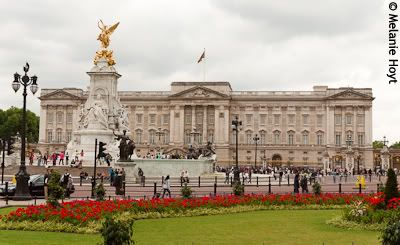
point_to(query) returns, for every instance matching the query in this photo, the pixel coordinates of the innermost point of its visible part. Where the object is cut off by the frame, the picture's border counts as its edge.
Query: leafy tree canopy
(396, 145)
(11, 123)
(377, 144)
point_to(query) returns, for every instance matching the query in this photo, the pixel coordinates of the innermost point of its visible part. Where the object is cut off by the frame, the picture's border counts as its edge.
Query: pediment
(199, 92)
(350, 94)
(59, 95)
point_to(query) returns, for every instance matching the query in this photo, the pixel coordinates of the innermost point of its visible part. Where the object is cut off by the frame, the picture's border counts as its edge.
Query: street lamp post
(256, 139)
(22, 177)
(236, 124)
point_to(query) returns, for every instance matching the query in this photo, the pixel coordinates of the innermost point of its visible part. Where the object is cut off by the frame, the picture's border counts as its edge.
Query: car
(36, 186)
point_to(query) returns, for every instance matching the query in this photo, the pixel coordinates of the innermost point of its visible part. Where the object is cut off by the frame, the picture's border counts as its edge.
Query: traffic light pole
(94, 170)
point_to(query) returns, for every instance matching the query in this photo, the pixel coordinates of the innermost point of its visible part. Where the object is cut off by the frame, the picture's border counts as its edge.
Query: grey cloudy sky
(255, 45)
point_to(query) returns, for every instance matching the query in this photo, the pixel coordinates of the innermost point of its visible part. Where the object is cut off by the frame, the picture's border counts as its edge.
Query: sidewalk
(12, 203)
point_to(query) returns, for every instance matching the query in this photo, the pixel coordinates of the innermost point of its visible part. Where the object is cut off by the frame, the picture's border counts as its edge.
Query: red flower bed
(394, 203)
(80, 212)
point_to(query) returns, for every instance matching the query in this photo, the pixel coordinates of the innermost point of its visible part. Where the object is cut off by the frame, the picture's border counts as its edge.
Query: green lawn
(261, 227)
(7, 210)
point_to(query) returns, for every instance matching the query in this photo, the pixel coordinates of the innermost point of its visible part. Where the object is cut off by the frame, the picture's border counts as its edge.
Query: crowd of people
(56, 158)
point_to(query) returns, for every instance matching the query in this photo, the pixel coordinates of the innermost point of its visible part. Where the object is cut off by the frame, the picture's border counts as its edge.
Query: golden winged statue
(104, 38)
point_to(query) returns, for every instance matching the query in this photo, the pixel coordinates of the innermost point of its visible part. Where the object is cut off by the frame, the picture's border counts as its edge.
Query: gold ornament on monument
(104, 38)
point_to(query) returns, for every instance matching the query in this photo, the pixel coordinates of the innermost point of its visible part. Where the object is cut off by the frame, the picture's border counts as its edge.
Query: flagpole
(204, 66)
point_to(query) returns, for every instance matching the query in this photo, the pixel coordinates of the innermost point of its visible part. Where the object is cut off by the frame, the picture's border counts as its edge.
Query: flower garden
(83, 216)
(374, 212)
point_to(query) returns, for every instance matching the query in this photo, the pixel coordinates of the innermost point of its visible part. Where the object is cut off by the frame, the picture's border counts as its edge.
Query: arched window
(305, 138)
(59, 135)
(291, 138)
(320, 138)
(165, 137)
(277, 137)
(152, 136)
(262, 137)
(138, 134)
(187, 137)
(249, 137)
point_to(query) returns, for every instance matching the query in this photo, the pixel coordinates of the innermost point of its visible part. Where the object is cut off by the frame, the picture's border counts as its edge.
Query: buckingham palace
(293, 128)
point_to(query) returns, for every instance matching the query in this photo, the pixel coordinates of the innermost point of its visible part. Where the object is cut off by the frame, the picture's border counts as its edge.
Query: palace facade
(295, 128)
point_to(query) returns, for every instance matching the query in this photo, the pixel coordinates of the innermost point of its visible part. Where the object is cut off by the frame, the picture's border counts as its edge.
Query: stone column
(172, 135)
(64, 129)
(368, 126)
(43, 124)
(205, 136)
(343, 126)
(216, 123)
(227, 125)
(193, 116)
(181, 125)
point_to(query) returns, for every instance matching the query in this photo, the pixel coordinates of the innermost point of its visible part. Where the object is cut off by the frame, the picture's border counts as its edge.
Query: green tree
(10, 124)
(377, 144)
(396, 145)
(391, 190)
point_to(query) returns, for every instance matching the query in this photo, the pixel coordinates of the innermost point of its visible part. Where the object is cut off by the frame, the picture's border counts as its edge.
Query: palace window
(262, 137)
(59, 135)
(139, 118)
(338, 139)
(69, 135)
(249, 118)
(187, 137)
(152, 119)
(291, 119)
(138, 133)
(60, 117)
(291, 138)
(165, 137)
(360, 138)
(211, 118)
(69, 118)
(360, 119)
(188, 119)
(152, 136)
(319, 120)
(349, 119)
(249, 138)
(165, 119)
(320, 139)
(49, 136)
(277, 138)
(338, 119)
(305, 120)
(305, 138)
(263, 119)
(277, 119)
(50, 117)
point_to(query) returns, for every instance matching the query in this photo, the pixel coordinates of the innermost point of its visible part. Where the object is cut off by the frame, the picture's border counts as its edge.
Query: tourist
(66, 183)
(186, 177)
(303, 184)
(141, 176)
(54, 158)
(45, 157)
(226, 177)
(39, 159)
(61, 158)
(46, 184)
(182, 178)
(296, 183)
(111, 173)
(66, 158)
(166, 187)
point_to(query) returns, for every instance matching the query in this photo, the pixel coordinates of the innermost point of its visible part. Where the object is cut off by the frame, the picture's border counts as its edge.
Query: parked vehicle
(36, 186)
